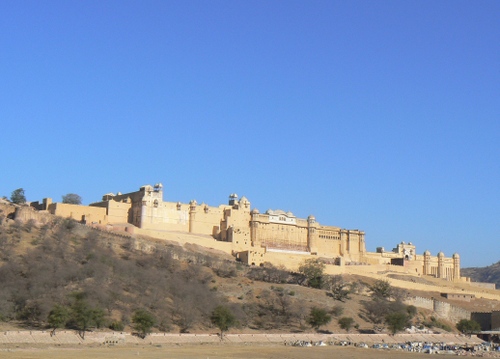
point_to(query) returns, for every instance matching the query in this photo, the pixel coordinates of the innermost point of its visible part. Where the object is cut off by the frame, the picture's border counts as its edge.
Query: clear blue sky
(374, 115)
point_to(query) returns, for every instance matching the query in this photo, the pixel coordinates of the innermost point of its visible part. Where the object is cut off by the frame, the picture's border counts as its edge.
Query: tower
(441, 272)
(427, 263)
(456, 266)
(312, 234)
(254, 224)
(192, 214)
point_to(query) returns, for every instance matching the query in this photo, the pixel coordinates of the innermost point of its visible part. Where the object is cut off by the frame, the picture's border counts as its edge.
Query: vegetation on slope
(65, 275)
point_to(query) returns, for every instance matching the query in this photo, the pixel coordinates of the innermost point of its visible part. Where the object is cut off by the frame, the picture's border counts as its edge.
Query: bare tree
(338, 289)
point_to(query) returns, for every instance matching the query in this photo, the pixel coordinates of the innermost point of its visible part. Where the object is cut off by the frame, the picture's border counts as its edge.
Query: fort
(253, 237)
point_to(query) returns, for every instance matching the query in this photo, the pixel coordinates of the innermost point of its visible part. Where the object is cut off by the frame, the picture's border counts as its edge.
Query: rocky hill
(489, 274)
(102, 279)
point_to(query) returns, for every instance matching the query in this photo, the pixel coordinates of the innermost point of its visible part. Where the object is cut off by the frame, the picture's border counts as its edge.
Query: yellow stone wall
(78, 212)
(275, 236)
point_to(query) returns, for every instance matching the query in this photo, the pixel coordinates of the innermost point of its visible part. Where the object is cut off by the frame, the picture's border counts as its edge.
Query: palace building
(251, 236)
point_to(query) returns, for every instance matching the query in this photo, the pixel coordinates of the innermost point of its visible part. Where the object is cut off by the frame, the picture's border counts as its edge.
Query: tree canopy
(381, 289)
(313, 270)
(318, 317)
(346, 323)
(223, 318)
(468, 326)
(143, 322)
(58, 317)
(17, 196)
(83, 315)
(72, 198)
(396, 321)
(338, 289)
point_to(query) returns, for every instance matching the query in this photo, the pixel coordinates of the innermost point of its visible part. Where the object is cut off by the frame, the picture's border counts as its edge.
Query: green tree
(83, 315)
(223, 318)
(17, 196)
(468, 326)
(318, 317)
(381, 289)
(99, 317)
(313, 270)
(396, 321)
(72, 198)
(58, 317)
(346, 323)
(143, 321)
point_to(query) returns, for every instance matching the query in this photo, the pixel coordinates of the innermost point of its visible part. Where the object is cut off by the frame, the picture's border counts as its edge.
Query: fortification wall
(282, 236)
(24, 214)
(167, 216)
(328, 247)
(118, 212)
(78, 212)
(483, 285)
(421, 302)
(206, 220)
(237, 217)
(449, 311)
(442, 309)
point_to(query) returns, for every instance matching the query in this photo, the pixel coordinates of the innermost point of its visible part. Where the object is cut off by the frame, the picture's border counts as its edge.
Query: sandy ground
(209, 351)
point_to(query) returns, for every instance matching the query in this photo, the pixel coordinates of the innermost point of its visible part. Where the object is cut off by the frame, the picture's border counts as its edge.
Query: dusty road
(208, 351)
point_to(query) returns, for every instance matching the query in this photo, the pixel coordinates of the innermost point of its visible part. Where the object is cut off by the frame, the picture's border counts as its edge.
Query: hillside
(63, 264)
(489, 274)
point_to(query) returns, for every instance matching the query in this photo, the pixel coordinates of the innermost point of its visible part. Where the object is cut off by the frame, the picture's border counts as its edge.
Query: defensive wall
(293, 259)
(483, 285)
(442, 309)
(289, 258)
(253, 237)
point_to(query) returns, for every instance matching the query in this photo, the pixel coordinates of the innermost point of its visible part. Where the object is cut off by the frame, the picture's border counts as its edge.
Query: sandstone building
(253, 237)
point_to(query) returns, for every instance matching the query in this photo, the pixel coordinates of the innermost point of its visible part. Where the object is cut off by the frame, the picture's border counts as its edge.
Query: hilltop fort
(253, 237)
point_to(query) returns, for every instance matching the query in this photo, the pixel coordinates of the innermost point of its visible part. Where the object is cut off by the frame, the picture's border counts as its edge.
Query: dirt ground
(209, 351)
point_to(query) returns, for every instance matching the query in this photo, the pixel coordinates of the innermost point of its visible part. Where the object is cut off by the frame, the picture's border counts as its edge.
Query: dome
(441, 254)
(427, 253)
(244, 199)
(456, 256)
(255, 211)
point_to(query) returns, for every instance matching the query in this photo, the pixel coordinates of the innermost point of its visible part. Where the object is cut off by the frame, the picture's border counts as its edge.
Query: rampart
(483, 285)
(254, 238)
(442, 309)
(25, 214)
